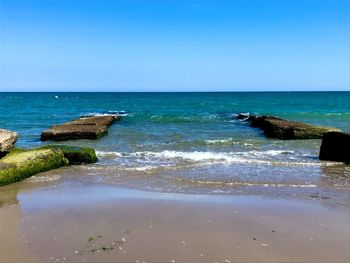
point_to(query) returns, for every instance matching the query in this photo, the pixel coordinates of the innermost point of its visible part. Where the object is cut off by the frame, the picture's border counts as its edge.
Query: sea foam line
(108, 113)
(227, 141)
(250, 157)
(195, 181)
(103, 153)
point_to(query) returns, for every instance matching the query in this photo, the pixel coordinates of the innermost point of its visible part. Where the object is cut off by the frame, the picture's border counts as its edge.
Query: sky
(183, 45)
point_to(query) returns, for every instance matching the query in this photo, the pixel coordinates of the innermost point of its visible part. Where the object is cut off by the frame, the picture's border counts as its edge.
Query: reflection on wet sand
(337, 176)
(8, 195)
(79, 221)
(71, 215)
(12, 248)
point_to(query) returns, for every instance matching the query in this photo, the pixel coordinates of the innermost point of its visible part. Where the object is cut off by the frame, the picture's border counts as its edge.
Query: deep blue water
(189, 138)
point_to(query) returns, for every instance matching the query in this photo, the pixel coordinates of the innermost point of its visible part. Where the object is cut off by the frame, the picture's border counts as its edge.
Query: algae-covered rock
(75, 155)
(7, 140)
(18, 165)
(274, 127)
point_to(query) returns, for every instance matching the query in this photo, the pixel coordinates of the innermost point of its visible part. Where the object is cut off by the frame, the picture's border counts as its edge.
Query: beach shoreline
(91, 222)
(179, 182)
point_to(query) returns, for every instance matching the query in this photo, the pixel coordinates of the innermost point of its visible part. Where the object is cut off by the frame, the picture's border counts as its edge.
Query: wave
(239, 183)
(102, 154)
(229, 141)
(218, 141)
(200, 156)
(175, 158)
(198, 181)
(44, 178)
(209, 143)
(141, 168)
(107, 113)
(233, 115)
(249, 157)
(337, 114)
(158, 118)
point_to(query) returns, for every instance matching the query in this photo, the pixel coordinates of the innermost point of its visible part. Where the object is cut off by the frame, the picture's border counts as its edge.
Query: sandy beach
(76, 221)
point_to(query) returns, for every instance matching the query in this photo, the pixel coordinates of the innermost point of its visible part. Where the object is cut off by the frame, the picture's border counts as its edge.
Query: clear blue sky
(164, 45)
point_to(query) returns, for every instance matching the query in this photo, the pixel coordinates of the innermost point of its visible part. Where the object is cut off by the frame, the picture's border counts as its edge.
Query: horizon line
(248, 91)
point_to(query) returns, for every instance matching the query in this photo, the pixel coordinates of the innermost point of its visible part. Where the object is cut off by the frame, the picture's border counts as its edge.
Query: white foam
(142, 168)
(223, 141)
(194, 156)
(280, 185)
(108, 113)
(102, 153)
(44, 178)
(267, 152)
(252, 184)
(199, 156)
(269, 157)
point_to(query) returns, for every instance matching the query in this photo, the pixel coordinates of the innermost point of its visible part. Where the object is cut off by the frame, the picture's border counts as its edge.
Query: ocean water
(179, 142)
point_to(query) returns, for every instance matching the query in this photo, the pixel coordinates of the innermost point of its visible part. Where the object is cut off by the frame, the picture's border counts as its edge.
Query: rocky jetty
(20, 163)
(274, 127)
(87, 127)
(7, 140)
(335, 147)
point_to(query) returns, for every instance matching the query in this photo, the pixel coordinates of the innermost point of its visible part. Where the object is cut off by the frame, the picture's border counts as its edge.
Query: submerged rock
(90, 127)
(7, 140)
(20, 164)
(335, 147)
(274, 127)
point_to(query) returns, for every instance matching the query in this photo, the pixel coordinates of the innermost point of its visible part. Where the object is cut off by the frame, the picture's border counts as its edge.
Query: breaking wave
(174, 158)
(107, 113)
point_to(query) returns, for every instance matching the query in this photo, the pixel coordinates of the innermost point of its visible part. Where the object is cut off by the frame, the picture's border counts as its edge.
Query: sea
(190, 142)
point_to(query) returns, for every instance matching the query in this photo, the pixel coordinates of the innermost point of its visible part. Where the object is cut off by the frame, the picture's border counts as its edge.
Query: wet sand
(83, 222)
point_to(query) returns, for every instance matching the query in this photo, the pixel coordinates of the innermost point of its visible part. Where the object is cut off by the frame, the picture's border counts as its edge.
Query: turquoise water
(181, 141)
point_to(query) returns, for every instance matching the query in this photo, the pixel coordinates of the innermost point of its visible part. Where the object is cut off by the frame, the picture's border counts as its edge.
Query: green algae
(19, 164)
(75, 155)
